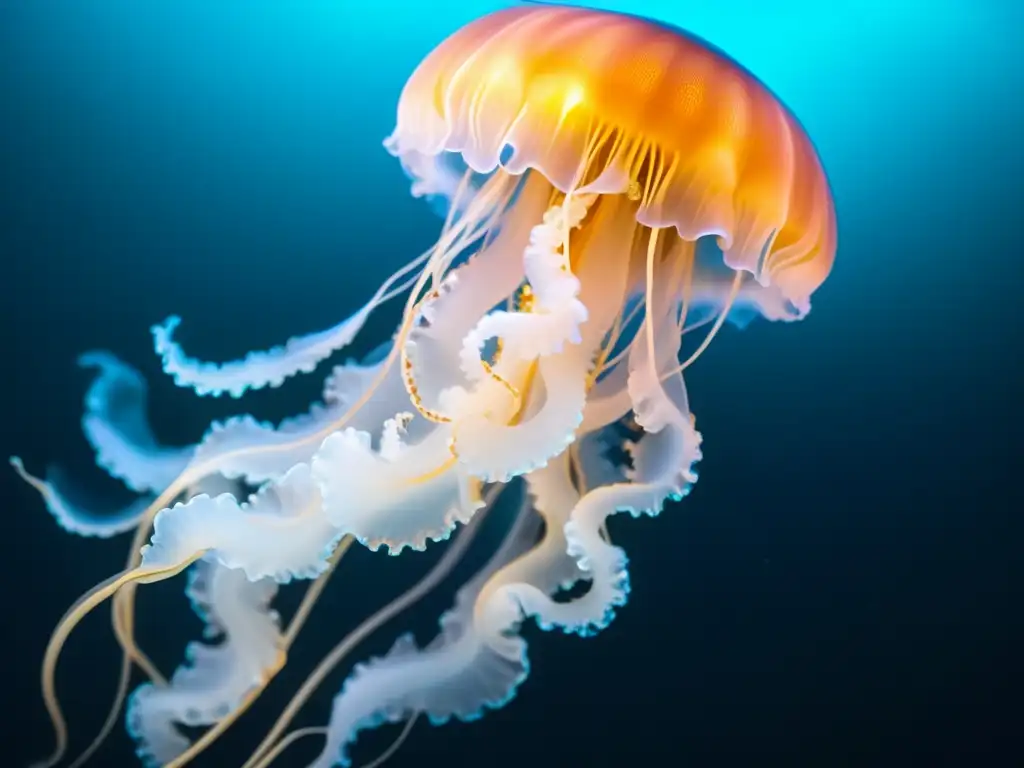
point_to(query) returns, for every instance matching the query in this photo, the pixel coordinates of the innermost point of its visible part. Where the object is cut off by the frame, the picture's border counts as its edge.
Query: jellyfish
(614, 191)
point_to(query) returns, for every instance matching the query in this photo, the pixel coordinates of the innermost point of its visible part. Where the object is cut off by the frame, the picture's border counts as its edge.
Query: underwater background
(843, 586)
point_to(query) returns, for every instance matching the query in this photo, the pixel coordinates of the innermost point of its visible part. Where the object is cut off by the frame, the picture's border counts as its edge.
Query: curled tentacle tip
(98, 358)
(169, 324)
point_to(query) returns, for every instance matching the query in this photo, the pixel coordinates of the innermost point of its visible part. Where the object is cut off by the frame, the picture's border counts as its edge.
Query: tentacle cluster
(520, 363)
(594, 216)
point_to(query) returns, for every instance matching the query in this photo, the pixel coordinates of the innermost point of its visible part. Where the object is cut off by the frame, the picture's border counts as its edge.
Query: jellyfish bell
(606, 103)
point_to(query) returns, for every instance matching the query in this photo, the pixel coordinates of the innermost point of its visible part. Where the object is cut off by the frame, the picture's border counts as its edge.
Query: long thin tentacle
(74, 615)
(437, 574)
(298, 620)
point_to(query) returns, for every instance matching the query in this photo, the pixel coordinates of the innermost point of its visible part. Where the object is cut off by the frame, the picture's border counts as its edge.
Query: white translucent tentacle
(258, 451)
(77, 517)
(397, 496)
(664, 462)
(116, 424)
(215, 678)
(279, 533)
(458, 675)
(270, 368)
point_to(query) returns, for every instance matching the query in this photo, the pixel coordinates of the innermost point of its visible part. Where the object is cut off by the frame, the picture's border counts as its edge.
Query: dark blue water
(844, 585)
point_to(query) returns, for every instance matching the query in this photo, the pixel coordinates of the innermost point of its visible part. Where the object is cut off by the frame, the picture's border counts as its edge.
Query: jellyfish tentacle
(652, 355)
(398, 495)
(280, 533)
(258, 451)
(465, 295)
(458, 675)
(113, 714)
(472, 399)
(594, 465)
(299, 733)
(663, 471)
(123, 602)
(228, 444)
(117, 426)
(496, 441)
(78, 518)
(478, 661)
(85, 521)
(455, 239)
(610, 400)
(663, 468)
(300, 354)
(547, 567)
(379, 497)
(430, 350)
(122, 614)
(123, 629)
(215, 678)
(72, 617)
(451, 557)
(242, 701)
(555, 313)
(491, 446)
(494, 446)
(270, 368)
(524, 588)
(378, 761)
(122, 624)
(478, 220)
(719, 322)
(396, 745)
